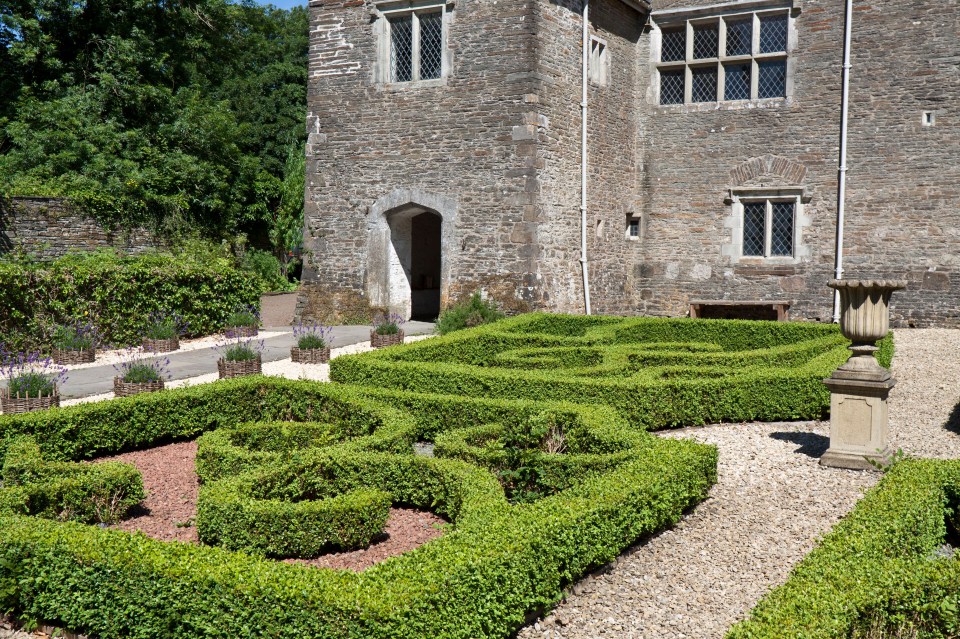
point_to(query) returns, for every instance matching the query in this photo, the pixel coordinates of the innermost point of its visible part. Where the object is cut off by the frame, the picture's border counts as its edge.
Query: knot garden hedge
(290, 468)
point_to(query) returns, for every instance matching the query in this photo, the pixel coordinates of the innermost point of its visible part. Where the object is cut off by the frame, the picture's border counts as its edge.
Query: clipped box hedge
(87, 493)
(117, 294)
(878, 572)
(657, 372)
(498, 563)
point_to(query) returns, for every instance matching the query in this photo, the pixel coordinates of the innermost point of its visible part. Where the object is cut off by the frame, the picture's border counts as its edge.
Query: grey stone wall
(498, 141)
(903, 184)
(47, 228)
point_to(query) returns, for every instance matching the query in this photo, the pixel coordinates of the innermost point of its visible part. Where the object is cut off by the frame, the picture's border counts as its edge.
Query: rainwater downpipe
(842, 170)
(583, 159)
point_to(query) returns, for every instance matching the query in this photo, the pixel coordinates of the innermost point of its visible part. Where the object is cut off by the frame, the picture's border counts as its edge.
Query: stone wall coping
(894, 285)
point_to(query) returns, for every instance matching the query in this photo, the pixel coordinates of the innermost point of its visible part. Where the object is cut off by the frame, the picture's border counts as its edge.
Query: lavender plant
(76, 336)
(388, 324)
(165, 325)
(240, 350)
(30, 374)
(312, 336)
(136, 368)
(244, 316)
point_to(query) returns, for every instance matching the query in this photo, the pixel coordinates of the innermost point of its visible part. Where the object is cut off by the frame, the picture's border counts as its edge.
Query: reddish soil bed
(167, 513)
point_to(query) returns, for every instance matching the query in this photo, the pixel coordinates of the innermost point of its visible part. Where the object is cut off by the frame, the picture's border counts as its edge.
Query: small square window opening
(599, 63)
(633, 228)
(768, 228)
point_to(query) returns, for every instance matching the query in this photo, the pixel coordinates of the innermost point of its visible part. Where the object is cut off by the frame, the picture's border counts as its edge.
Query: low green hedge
(90, 430)
(65, 491)
(497, 563)
(877, 572)
(118, 295)
(656, 372)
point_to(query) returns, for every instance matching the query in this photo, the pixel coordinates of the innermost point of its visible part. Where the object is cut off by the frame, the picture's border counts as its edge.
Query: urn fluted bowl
(864, 317)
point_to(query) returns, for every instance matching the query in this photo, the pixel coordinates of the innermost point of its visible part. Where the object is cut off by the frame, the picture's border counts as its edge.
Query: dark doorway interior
(425, 267)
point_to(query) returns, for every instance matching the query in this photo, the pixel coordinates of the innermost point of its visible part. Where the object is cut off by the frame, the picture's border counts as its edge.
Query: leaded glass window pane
(773, 33)
(736, 83)
(740, 37)
(704, 87)
(781, 238)
(772, 79)
(706, 40)
(401, 49)
(753, 234)
(431, 45)
(671, 87)
(673, 47)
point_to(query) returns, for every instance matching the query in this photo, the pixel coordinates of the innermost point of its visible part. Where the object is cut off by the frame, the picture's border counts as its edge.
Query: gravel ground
(771, 503)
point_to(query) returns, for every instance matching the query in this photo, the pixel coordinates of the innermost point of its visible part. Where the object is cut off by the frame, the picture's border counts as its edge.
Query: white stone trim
(733, 223)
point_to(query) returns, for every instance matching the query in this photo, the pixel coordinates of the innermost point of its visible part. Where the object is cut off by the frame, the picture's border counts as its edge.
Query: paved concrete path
(95, 380)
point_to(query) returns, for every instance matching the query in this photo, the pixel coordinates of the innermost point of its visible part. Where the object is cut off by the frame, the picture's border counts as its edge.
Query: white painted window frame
(392, 9)
(721, 14)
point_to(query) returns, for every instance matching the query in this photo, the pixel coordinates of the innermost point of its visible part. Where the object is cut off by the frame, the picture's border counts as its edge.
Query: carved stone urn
(860, 387)
(864, 320)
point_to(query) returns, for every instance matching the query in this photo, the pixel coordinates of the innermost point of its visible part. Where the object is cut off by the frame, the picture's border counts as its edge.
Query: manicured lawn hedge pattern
(117, 295)
(87, 493)
(499, 561)
(877, 573)
(657, 372)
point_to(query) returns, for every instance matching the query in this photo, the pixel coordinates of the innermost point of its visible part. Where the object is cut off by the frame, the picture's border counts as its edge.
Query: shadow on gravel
(811, 444)
(953, 422)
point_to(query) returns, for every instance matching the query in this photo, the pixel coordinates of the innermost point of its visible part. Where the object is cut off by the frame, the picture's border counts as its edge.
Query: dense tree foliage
(168, 112)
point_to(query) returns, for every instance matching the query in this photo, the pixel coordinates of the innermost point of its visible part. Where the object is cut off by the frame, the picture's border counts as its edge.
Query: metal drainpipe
(842, 171)
(583, 159)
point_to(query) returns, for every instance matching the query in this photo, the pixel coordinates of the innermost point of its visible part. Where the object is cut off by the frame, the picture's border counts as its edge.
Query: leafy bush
(268, 270)
(137, 369)
(119, 294)
(87, 493)
(474, 312)
(313, 335)
(239, 353)
(165, 325)
(141, 373)
(878, 573)
(29, 374)
(500, 562)
(30, 385)
(656, 372)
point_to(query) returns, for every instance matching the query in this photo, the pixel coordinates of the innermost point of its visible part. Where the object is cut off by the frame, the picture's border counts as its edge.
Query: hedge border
(683, 396)
(480, 580)
(876, 566)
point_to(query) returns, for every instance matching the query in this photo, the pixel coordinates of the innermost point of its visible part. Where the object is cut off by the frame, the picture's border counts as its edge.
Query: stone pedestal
(859, 388)
(858, 423)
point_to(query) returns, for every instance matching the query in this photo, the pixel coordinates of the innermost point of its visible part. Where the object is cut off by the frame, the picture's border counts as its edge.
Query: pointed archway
(411, 233)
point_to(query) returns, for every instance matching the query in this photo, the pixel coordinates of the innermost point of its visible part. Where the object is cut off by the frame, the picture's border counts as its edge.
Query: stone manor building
(445, 139)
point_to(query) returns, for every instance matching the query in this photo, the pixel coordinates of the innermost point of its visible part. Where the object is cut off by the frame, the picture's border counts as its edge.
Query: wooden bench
(740, 309)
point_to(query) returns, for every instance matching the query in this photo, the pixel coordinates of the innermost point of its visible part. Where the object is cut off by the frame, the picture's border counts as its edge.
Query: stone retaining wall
(47, 228)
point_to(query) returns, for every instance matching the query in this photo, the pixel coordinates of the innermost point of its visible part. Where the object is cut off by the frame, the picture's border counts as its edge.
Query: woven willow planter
(13, 404)
(128, 389)
(310, 355)
(379, 341)
(239, 369)
(161, 345)
(68, 357)
(241, 331)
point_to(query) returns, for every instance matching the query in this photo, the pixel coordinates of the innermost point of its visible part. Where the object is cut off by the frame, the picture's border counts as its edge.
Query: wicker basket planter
(239, 369)
(10, 404)
(310, 355)
(69, 357)
(379, 341)
(161, 345)
(241, 331)
(127, 389)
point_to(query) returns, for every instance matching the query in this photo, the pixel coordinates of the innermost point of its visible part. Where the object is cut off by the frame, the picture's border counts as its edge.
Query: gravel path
(771, 503)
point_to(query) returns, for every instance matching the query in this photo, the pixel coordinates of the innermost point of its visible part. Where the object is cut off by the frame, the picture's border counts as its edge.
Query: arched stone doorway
(409, 258)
